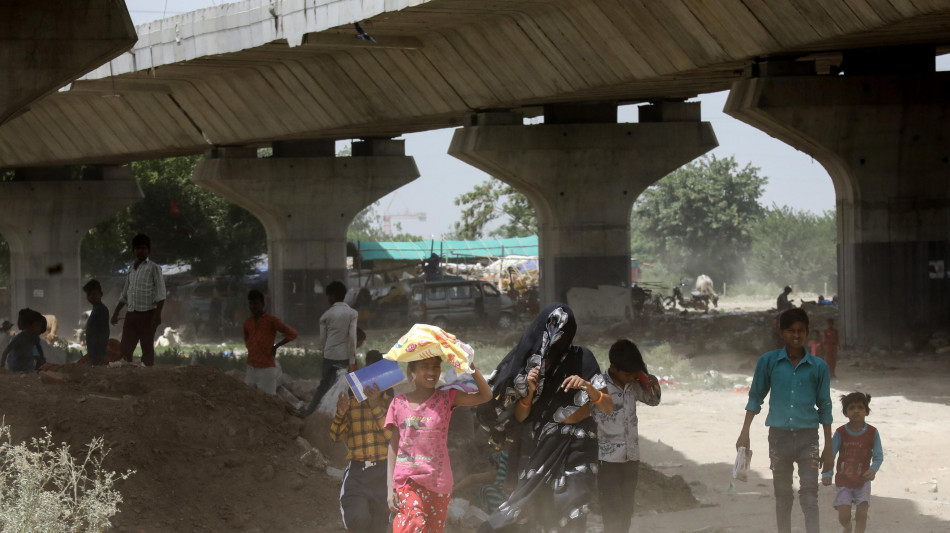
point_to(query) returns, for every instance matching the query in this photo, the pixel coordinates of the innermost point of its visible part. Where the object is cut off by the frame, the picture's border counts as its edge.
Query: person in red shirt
(830, 340)
(260, 332)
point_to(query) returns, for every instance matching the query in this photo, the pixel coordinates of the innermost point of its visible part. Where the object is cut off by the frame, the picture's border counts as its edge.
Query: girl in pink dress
(418, 471)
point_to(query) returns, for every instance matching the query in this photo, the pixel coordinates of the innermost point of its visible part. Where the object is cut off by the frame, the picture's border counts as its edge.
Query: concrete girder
(583, 180)
(261, 70)
(885, 141)
(306, 204)
(44, 223)
(45, 44)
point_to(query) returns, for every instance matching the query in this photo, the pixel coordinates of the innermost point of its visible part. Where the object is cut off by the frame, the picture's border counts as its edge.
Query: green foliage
(45, 490)
(699, 219)
(209, 233)
(493, 200)
(792, 247)
(367, 225)
(300, 363)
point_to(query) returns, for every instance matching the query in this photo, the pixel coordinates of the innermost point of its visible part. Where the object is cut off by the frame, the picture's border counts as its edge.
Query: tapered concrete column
(582, 172)
(306, 198)
(885, 141)
(44, 217)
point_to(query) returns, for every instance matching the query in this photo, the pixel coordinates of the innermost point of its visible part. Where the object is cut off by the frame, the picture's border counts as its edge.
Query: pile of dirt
(210, 454)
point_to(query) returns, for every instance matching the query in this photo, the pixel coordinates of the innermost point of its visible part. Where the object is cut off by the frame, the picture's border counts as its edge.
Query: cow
(704, 285)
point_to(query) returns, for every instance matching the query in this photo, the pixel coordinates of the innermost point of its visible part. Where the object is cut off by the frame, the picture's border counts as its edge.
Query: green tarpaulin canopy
(449, 250)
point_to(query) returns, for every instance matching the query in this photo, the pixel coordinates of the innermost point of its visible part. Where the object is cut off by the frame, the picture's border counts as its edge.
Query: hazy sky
(795, 179)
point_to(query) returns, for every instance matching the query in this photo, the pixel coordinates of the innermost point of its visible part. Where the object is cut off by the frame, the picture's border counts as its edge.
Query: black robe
(556, 462)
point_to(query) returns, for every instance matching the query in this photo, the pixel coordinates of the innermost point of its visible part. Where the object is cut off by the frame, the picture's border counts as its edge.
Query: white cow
(704, 285)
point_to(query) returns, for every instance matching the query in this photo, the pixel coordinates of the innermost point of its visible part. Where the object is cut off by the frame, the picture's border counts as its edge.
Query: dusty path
(693, 433)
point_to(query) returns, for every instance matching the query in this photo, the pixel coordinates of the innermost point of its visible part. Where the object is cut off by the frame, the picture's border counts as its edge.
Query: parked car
(465, 302)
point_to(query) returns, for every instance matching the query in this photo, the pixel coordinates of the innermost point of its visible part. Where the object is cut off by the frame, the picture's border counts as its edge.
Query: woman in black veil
(540, 411)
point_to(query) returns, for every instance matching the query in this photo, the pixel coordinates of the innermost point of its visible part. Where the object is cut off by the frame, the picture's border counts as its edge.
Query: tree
(187, 224)
(493, 200)
(699, 219)
(791, 247)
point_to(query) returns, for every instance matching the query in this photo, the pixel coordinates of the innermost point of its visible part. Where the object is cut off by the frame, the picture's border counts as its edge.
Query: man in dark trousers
(144, 295)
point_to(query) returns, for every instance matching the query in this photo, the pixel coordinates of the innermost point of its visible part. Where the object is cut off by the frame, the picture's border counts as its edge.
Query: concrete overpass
(293, 74)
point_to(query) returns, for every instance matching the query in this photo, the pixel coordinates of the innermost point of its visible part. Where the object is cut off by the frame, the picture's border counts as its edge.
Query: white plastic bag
(740, 470)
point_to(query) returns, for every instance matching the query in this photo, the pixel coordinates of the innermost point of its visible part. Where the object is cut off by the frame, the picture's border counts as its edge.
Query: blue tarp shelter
(448, 250)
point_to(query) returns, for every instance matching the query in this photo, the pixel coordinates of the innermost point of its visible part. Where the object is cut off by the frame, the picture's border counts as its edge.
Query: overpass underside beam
(582, 172)
(885, 141)
(44, 223)
(306, 198)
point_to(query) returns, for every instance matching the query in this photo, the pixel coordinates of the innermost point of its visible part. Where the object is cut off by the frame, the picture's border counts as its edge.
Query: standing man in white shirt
(338, 337)
(144, 295)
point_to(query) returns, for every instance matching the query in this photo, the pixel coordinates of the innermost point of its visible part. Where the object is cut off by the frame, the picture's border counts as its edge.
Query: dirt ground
(212, 455)
(693, 433)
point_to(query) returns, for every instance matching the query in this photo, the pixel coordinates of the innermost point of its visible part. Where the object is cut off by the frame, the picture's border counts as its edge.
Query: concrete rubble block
(316, 430)
(604, 304)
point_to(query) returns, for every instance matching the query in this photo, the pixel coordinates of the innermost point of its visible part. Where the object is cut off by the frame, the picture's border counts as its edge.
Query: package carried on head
(424, 341)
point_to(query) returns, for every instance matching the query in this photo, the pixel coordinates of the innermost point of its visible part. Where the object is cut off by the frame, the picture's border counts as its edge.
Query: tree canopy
(494, 200)
(699, 219)
(187, 224)
(794, 247)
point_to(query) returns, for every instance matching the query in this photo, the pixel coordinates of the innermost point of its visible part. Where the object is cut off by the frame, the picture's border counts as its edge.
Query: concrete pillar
(885, 141)
(306, 198)
(582, 172)
(44, 216)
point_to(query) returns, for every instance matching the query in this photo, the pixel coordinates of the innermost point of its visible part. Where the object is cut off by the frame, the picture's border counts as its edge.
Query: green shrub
(44, 489)
(301, 363)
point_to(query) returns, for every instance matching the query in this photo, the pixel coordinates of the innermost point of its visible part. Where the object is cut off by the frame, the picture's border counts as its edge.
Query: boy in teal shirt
(799, 390)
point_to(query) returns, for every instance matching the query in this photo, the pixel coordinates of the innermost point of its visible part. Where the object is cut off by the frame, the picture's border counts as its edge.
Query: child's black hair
(373, 356)
(255, 295)
(791, 316)
(626, 357)
(23, 317)
(92, 285)
(39, 318)
(360, 335)
(141, 240)
(855, 397)
(336, 290)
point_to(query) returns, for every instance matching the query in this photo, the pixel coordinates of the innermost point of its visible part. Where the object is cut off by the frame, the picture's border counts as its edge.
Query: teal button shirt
(800, 395)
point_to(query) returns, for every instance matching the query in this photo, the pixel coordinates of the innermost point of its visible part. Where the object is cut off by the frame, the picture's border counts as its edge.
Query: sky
(794, 178)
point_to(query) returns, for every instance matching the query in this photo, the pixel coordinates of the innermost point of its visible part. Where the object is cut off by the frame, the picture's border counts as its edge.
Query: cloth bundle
(424, 341)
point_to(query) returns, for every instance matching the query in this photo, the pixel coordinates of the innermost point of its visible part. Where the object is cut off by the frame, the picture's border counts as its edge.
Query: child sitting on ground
(24, 350)
(491, 483)
(858, 447)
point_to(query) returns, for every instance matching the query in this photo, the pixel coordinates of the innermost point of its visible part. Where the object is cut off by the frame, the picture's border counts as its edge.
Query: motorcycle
(696, 300)
(645, 300)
